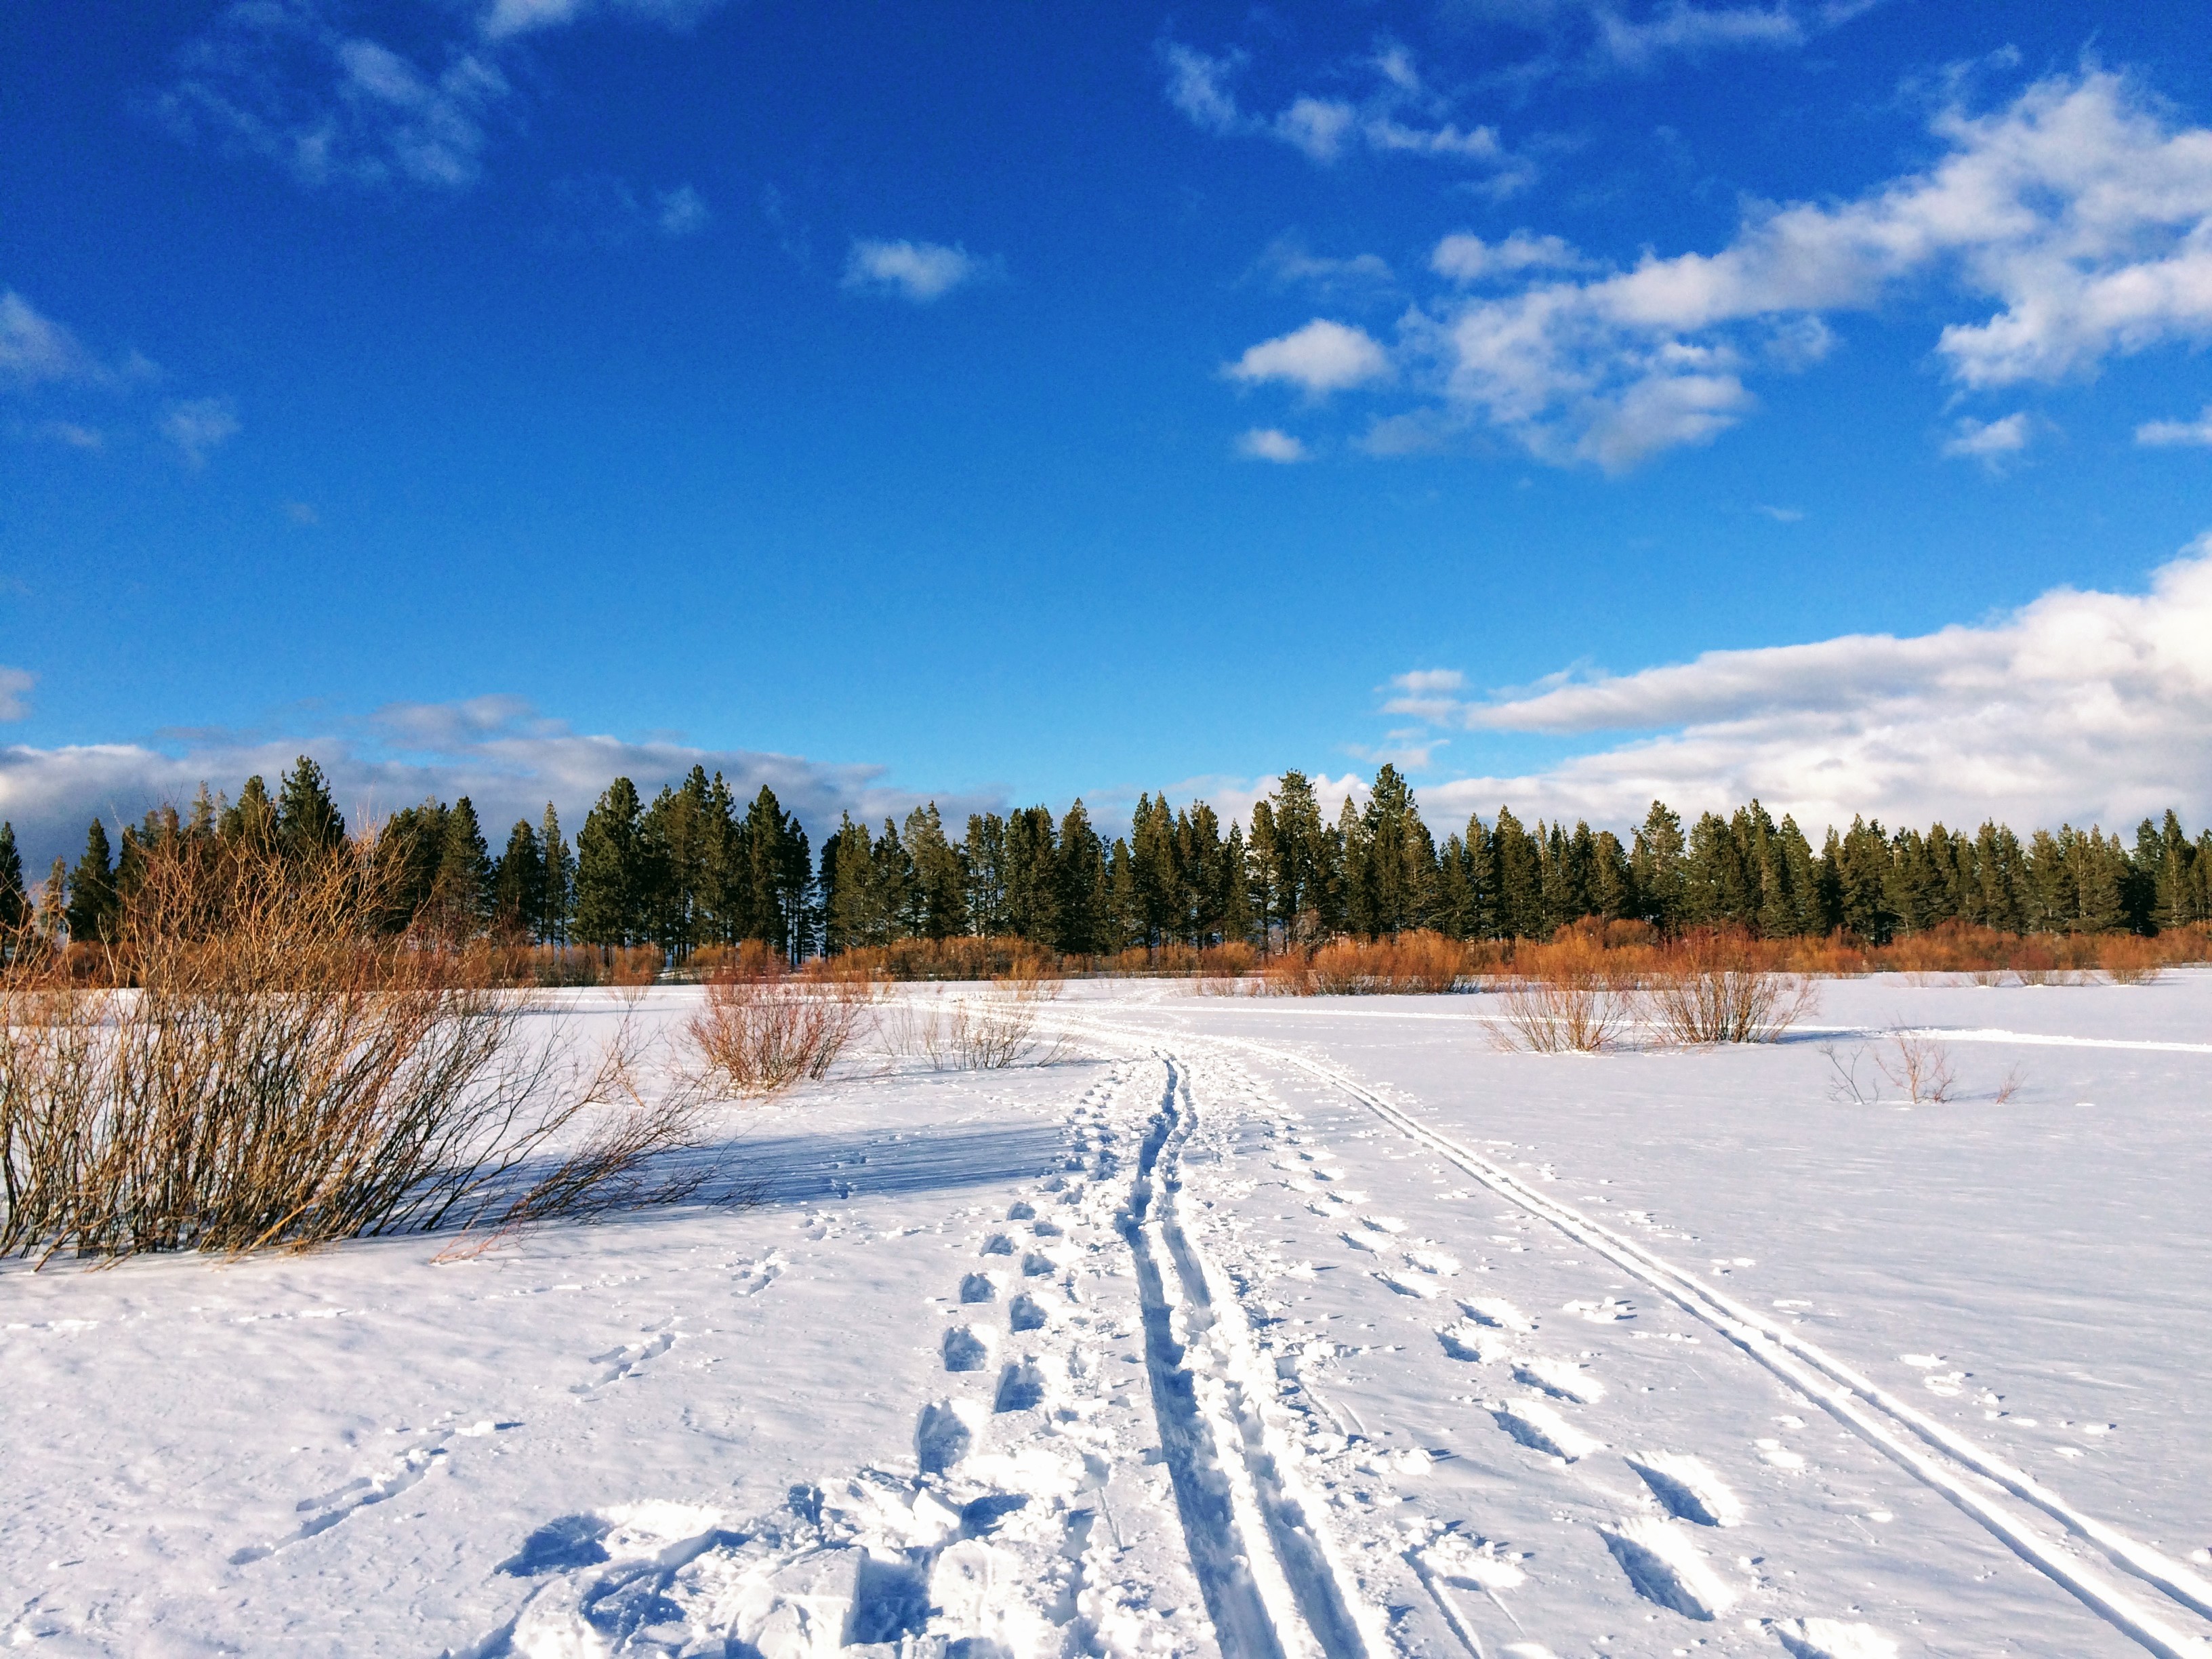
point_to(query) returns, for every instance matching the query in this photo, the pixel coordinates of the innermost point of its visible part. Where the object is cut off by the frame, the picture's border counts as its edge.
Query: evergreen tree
(1289, 840)
(556, 894)
(776, 868)
(50, 919)
(940, 907)
(1237, 916)
(1035, 884)
(852, 917)
(93, 911)
(1154, 879)
(1860, 863)
(1520, 879)
(15, 901)
(1655, 862)
(307, 821)
(609, 899)
(1084, 918)
(983, 857)
(519, 884)
(461, 891)
(1611, 887)
(1399, 858)
(252, 821)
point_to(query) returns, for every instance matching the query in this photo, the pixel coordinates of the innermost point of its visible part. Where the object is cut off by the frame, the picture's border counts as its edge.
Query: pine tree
(307, 821)
(983, 856)
(1520, 879)
(461, 891)
(15, 901)
(252, 822)
(556, 895)
(519, 884)
(1034, 879)
(1236, 923)
(1083, 920)
(939, 881)
(1612, 886)
(93, 910)
(50, 919)
(1401, 873)
(1293, 854)
(1655, 861)
(608, 907)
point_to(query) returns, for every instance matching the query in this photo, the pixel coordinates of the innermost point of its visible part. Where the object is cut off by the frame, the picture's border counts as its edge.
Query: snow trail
(1272, 1580)
(1939, 1456)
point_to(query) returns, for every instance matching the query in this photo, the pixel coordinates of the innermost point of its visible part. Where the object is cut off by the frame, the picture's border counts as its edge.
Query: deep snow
(1303, 1328)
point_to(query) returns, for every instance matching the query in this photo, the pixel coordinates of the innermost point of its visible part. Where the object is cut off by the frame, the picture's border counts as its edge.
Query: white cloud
(1990, 442)
(2169, 434)
(1689, 31)
(15, 684)
(1267, 443)
(1400, 114)
(1466, 258)
(499, 752)
(1322, 357)
(918, 271)
(199, 426)
(1781, 515)
(2079, 208)
(2081, 707)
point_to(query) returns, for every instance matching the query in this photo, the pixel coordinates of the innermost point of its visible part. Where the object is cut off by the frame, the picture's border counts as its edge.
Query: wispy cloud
(1287, 263)
(200, 426)
(2081, 706)
(606, 210)
(1267, 443)
(1322, 357)
(292, 83)
(1398, 114)
(2166, 435)
(37, 351)
(16, 685)
(921, 272)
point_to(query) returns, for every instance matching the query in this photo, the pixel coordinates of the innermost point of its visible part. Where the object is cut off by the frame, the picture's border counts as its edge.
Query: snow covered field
(1307, 1329)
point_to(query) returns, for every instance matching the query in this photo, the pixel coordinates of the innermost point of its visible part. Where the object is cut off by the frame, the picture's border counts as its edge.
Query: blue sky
(1572, 401)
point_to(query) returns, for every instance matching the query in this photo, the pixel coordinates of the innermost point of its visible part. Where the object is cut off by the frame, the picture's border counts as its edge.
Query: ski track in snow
(1655, 1553)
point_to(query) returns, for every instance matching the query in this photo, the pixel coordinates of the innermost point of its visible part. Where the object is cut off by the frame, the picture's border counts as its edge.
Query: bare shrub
(1565, 997)
(760, 1036)
(2131, 959)
(2009, 1085)
(987, 1029)
(279, 1079)
(1712, 986)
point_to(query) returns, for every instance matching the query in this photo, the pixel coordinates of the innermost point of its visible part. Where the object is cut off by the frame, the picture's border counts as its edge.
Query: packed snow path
(1234, 1335)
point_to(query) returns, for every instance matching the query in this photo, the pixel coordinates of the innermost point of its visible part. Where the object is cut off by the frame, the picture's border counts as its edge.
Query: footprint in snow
(1562, 1379)
(1686, 1489)
(1665, 1567)
(1538, 1425)
(1496, 1311)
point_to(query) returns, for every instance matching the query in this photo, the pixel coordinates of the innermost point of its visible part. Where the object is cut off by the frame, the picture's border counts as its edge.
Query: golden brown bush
(278, 1077)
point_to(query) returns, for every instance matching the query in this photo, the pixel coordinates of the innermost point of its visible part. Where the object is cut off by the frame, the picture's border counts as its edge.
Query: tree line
(694, 867)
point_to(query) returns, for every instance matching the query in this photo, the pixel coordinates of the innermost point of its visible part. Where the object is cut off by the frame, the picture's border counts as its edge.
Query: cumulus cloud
(2080, 209)
(2158, 435)
(1267, 443)
(1400, 114)
(200, 426)
(2081, 706)
(508, 758)
(1322, 357)
(918, 271)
